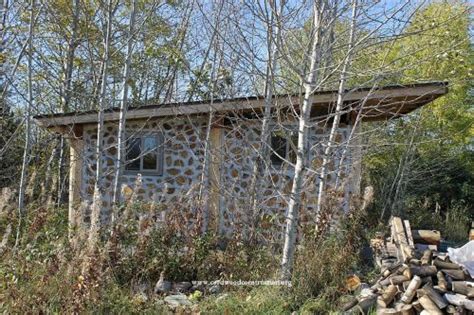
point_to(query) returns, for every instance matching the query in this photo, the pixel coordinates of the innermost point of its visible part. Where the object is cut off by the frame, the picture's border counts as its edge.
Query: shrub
(457, 222)
(261, 300)
(324, 261)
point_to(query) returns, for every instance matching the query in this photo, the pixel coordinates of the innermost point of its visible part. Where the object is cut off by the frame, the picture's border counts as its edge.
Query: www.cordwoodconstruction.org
(244, 283)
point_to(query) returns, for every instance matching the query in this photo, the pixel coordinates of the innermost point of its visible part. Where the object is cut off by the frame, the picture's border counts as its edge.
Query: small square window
(283, 147)
(145, 154)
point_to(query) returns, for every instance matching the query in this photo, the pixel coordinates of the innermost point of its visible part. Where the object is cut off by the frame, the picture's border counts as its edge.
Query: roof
(376, 104)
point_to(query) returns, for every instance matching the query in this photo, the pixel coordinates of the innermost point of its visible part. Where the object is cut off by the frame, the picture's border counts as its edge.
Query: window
(283, 146)
(145, 154)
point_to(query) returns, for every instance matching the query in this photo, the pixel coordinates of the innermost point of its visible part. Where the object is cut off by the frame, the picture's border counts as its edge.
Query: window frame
(159, 152)
(292, 132)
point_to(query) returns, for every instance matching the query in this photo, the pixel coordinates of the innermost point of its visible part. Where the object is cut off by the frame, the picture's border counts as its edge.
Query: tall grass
(45, 275)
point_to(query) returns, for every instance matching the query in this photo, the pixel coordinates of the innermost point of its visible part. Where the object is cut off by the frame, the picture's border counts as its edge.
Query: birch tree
(319, 8)
(29, 104)
(205, 185)
(98, 187)
(273, 35)
(66, 93)
(338, 110)
(123, 109)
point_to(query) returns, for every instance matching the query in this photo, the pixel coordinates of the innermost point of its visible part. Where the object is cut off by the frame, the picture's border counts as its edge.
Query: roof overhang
(371, 103)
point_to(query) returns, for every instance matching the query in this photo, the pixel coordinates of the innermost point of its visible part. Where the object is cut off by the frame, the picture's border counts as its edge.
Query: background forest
(61, 56)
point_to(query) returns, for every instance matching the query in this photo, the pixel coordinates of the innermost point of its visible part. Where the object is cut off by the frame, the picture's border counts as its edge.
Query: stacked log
(435, 287)
(416, 282)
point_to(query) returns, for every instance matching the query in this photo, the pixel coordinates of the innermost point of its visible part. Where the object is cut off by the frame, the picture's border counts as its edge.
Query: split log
(445, 265)
(464, 288)
(407, 272)
(411, 290)
(468, 304)
(454, 298)
(434, 296)
(409, 235)
(387, 297)
(454, 274)
(399, 235)
(415, 262)
(424, 280)
(429, 305)
(442, 283)
(396, 279)
(430, 237)
(405, 309)
(423, 271)
(387, 311)
(459, 300)
(388, 270)
(427, 256)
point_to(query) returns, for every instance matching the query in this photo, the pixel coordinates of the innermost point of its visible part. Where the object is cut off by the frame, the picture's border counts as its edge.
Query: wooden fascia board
(434, 90)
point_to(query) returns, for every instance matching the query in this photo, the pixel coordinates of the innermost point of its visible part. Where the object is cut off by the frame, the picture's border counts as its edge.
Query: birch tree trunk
(66, 95)
(123, 112)
(273, 34)
(98, 187)
(301, 156)
(338, 111)
(26, 151)
(205, 183)
(48, 183)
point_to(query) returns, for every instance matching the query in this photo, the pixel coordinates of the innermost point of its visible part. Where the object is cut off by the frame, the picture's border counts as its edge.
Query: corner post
(76, 144)
(215, 178)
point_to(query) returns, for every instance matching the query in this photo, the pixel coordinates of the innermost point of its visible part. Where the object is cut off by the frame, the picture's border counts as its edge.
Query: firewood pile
(415, 277)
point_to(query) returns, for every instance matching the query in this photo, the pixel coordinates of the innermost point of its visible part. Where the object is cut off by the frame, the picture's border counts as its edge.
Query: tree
(301, 157)
(338, 110)
(273, 25)
(123, 109)
(98, 186)
(29, 105)
(435, 45)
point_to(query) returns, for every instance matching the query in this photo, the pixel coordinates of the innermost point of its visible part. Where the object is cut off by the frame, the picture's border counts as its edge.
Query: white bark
(26, 151)
(338, 111)
(123, 111)
(66, 94)
(46, 196)
(205, 185)
(273, 33)
(98, 187)
(301, 157)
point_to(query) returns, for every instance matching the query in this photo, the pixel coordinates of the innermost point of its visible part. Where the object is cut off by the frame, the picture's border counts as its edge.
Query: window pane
(133, 154)
(278, 144)
(150, 157)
